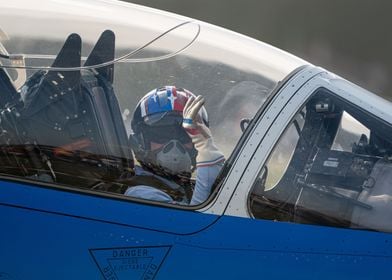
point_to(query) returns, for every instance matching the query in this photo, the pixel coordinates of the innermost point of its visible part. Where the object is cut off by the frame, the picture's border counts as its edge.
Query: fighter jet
(305, 191)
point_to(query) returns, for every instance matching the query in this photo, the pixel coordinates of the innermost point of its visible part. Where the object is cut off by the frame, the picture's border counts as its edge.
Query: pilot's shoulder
(149, 193)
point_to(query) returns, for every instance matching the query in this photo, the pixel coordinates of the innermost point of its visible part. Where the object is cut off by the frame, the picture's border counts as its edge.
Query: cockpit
(70, 79)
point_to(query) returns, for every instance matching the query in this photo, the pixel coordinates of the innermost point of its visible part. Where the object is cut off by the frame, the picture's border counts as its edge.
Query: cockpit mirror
(244, 124)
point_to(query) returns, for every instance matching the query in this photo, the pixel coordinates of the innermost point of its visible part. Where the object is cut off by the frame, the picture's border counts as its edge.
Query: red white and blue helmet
(157, 119)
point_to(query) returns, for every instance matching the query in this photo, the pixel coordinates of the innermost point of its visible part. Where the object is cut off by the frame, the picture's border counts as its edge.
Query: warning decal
(130, 262)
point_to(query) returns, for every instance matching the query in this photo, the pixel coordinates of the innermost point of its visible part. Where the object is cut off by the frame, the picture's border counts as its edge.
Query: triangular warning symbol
(130, 262)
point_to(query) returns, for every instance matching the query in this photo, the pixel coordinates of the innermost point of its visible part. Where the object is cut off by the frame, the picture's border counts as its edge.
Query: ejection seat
(291, 199)
(64, 125)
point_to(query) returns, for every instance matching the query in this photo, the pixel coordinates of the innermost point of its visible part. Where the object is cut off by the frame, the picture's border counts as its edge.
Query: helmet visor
(164, 133)
(169, 118)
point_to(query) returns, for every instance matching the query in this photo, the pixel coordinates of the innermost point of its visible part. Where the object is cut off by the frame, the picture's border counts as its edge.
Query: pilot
(171, 140)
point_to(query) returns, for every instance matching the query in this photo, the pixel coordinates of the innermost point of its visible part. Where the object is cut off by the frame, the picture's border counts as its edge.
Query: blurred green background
(348, 37)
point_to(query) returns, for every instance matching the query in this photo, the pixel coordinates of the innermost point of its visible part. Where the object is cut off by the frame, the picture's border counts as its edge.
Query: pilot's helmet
(159, 141)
